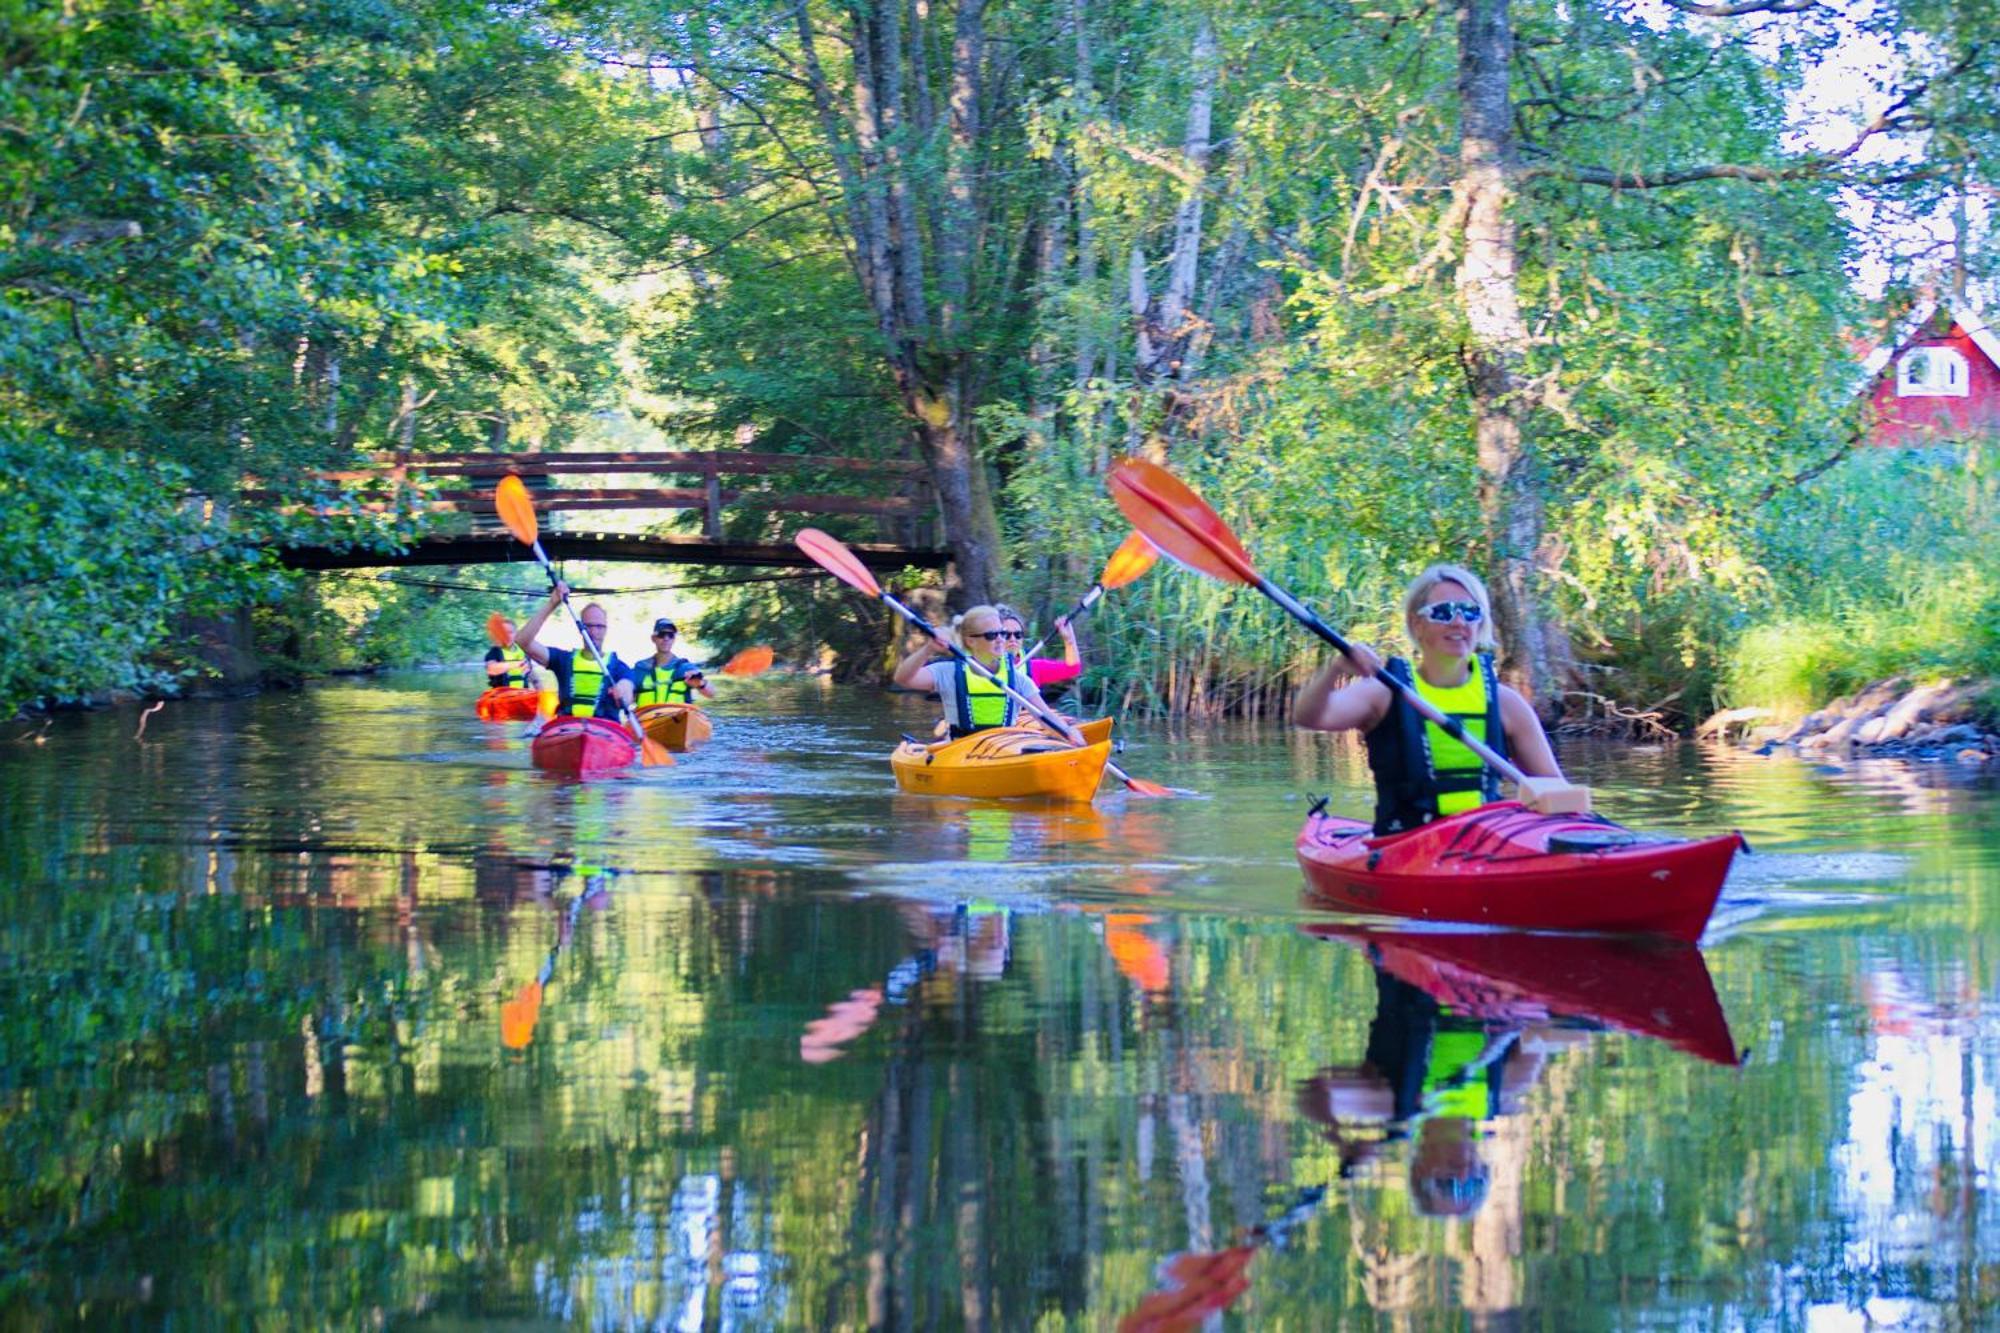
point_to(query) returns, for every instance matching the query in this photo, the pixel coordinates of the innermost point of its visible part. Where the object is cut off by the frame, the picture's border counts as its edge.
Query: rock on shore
(1938, 721)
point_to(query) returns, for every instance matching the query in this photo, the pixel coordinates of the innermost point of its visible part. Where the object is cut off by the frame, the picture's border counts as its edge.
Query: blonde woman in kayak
(1420, 772)
(970, 702)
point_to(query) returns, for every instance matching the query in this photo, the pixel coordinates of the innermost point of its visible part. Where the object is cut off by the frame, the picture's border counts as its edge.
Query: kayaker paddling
(971, 702)
(663, 678)
(581, 684)
(1044, 671)
(507, 666)
(1421, 772)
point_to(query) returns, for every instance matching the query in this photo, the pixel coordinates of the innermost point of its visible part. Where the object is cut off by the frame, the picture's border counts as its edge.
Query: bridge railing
(462, 483)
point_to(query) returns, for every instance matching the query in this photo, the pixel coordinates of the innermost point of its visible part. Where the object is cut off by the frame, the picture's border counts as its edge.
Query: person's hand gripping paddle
(1190, 534)
(517, 511)
(1134, 556)
(830, 554)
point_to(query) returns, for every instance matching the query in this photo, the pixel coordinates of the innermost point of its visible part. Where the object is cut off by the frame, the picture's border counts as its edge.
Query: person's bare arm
(1345, 696)
(524, 637)
(1529, 744)
(912, 673)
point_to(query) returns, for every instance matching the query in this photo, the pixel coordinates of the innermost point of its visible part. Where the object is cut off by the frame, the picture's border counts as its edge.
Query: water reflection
(327, 1002)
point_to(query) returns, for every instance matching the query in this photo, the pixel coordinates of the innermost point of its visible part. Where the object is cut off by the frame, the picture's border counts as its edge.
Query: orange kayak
(583, 747)
(1003, 762)
(507, 703)
(676, 726)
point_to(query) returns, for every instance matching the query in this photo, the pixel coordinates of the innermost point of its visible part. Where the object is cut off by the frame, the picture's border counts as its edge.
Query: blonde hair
(1419, 596)
(957, 634)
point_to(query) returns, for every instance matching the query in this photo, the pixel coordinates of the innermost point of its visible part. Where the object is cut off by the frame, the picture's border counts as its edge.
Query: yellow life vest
(586, 684)
(1458, 770)
(982, 703)
(516, 673)
(664, 684)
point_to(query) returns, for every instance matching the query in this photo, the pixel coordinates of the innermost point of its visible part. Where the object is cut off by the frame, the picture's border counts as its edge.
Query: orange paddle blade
(517, 511)
(518, 1015)
(749, 662)
(832, 555)
(1177, 521)
(500, 630)
(652, 754)
(1134, 556)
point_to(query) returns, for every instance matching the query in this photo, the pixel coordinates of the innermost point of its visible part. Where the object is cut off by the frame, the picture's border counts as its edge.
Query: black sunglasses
(992, 634)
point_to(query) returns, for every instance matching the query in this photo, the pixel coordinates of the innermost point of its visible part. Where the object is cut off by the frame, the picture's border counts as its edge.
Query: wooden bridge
(454, 493)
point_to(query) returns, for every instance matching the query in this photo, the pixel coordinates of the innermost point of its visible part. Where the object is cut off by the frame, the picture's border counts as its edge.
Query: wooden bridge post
(711, 522)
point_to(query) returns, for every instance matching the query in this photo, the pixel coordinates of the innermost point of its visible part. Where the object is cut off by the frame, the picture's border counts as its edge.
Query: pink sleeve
(1052, 671)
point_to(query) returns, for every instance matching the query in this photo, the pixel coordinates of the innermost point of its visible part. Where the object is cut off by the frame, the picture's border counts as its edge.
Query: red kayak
(1503, 865)
(1651, 988)
(583, 746)
(507, 703)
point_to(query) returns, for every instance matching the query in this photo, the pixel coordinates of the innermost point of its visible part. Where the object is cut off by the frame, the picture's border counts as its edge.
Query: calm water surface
(326, 1009)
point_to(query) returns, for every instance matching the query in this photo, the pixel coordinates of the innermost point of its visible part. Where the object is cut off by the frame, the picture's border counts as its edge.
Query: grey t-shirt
(944, 679)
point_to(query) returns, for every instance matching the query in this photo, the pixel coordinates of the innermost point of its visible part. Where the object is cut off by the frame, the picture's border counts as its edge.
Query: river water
(325, 1008)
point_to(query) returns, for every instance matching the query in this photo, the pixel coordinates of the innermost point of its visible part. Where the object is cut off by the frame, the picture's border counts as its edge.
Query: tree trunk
(1510, 498)
(882, 205)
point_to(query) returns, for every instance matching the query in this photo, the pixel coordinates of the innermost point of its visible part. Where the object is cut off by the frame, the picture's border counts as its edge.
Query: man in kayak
(662, 678)
(508, 667)
(1421, 773)
(972, 703)
(581, 685)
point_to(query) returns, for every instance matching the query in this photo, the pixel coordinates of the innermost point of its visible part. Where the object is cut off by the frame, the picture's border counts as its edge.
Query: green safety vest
(1457, 770)
(586, 684)
(981, 702)
(517, 669)
(664, 685)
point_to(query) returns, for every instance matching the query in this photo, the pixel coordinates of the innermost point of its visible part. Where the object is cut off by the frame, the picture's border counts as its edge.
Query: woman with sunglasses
(1044, 671)
(971, 702)
(1420, 772)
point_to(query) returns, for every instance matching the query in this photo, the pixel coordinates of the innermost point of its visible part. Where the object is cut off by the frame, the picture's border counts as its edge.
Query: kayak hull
(1003, 762)
(507, 703)
(1503, 865)
(582, 747)
(676, 726)
(1652, 988)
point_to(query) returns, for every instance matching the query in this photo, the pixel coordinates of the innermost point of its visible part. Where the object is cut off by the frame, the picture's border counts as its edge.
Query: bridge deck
(499, 548)
(405, 483)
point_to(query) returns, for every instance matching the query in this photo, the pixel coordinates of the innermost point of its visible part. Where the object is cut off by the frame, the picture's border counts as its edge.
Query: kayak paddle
(1189, 533)
(830, 554)
(749, 662)
(519, 1015)
(1134, 556)
(517, 511)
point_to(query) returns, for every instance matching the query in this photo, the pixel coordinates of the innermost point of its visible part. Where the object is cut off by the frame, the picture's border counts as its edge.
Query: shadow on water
(327, 1001)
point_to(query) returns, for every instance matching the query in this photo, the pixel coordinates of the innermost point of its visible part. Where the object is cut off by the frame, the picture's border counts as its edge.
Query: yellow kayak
(676, 726)
(1006, 761)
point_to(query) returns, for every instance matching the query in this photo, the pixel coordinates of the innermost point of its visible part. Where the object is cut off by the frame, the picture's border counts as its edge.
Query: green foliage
(1885, 567)
(248, 244)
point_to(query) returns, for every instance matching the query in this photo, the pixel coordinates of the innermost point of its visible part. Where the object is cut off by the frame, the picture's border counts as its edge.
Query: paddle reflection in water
(1465, 1024)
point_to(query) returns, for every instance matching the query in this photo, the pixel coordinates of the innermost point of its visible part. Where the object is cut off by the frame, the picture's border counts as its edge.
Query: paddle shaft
(1451, 726)
(1083, 604)
(603, 667)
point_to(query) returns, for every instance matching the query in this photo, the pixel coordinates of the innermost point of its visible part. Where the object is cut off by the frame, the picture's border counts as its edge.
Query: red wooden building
(1937, 379)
